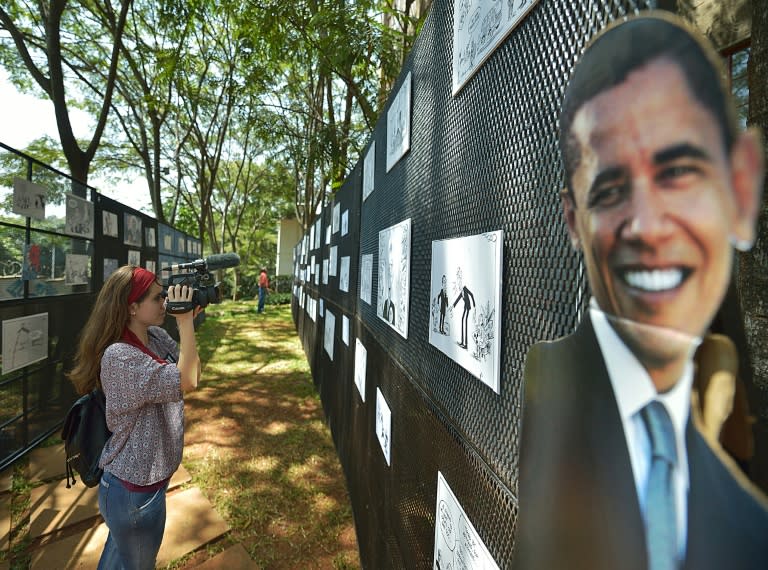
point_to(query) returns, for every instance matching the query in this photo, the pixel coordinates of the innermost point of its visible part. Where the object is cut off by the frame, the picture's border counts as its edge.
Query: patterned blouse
(145, 410)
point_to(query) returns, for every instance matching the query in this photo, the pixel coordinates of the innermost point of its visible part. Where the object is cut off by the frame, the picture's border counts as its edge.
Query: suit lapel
(619, 510)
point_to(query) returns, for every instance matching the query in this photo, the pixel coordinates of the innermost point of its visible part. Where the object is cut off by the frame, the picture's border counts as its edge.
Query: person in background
(144, 374)
(263, 288)
(720, 398)
(661, 187)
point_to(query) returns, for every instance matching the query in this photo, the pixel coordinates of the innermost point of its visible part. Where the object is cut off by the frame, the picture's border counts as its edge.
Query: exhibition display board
(455, 265)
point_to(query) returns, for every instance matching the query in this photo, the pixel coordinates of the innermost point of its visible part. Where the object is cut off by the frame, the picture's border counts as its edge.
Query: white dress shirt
(634, 389)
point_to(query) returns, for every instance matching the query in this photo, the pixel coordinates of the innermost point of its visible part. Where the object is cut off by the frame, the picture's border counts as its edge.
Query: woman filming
(144, 375)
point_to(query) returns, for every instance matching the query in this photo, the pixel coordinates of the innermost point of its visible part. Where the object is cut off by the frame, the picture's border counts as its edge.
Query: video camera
(197, 274)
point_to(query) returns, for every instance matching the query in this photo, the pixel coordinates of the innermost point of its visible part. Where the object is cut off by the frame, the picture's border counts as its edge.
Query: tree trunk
(753, 265)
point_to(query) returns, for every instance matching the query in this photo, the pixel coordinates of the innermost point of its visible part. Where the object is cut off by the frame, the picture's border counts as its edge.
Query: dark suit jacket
(578, 505)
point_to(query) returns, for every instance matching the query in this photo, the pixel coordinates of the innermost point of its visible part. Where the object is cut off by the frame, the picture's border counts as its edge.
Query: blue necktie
(661, 520)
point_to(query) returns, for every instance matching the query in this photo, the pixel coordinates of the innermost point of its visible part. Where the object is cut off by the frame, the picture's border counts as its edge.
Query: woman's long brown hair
(105, 325)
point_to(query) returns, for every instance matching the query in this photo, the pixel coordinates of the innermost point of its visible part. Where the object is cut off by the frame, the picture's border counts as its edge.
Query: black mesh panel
(484, 160)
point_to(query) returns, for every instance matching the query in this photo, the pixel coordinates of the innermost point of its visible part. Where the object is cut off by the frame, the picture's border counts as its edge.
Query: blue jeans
(136, 523)
(262, 298)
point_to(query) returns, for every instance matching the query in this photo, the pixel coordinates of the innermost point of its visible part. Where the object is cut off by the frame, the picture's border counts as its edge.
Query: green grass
(258, 447)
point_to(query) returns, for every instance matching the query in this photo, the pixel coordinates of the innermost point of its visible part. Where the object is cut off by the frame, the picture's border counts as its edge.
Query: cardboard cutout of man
(661, 185)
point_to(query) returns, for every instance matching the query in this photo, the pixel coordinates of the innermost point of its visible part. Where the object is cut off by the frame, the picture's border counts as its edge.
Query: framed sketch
(344, 274)
(399, 124)
(134, 257)
(345, 329)
(465, 303)
(25, 341)
(479, 26)
(79, 217)
(29, 199)
(333, 261)
(392, 301)
(336, 218)
(330, 331)
(318, 233)
(369, 164)
(361, 357)
(366, 277)
(132, 230)
(344, 223)
(109, 223)
(149, 237)
(384, 426)
(457, 543)
(150, 265)
(110, 266)
(76, 269)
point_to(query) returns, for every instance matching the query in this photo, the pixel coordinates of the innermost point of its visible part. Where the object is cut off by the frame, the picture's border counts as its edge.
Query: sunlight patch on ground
(263, 463)
(308, 475)
(323, 504)
(277, 428)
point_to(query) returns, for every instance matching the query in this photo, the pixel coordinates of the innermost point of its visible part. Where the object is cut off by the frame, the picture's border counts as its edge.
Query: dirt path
(258, 446)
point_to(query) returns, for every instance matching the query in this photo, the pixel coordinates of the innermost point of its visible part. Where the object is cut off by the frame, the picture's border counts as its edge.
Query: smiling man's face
(654, 206)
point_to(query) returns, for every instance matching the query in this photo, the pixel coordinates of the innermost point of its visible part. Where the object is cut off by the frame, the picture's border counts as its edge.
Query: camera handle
(179, 307)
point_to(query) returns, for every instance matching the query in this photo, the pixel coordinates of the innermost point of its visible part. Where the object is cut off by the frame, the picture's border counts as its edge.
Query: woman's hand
(189, 360)
(181, 294)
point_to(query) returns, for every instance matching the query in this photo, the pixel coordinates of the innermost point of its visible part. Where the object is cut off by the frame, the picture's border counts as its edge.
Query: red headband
(141, 281)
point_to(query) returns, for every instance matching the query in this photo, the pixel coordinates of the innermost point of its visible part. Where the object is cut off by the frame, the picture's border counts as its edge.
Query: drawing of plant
(483, 332)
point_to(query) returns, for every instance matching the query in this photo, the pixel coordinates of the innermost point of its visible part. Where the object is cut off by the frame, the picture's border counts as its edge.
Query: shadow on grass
(257, 443)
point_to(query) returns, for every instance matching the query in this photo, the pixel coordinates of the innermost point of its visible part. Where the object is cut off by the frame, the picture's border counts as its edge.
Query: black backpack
(84, 434)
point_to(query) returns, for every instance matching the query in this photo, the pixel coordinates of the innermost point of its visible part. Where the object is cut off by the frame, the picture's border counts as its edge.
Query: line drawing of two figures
(443, 304)
(483, 317)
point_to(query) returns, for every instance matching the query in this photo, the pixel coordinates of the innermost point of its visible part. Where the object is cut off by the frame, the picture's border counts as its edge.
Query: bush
(278, 299)
(248, 286)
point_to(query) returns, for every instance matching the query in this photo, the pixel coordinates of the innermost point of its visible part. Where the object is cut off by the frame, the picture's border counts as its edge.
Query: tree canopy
(236, 114)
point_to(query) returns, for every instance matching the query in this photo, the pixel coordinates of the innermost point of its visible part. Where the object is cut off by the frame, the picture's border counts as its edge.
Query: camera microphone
(210, 263)
(197, 274)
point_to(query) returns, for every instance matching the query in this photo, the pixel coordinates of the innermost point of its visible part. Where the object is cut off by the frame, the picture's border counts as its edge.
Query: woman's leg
(110, 557)
(136, 524)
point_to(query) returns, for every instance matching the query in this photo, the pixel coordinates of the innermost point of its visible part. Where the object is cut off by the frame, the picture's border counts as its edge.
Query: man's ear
(569, 213)
(747, 176)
